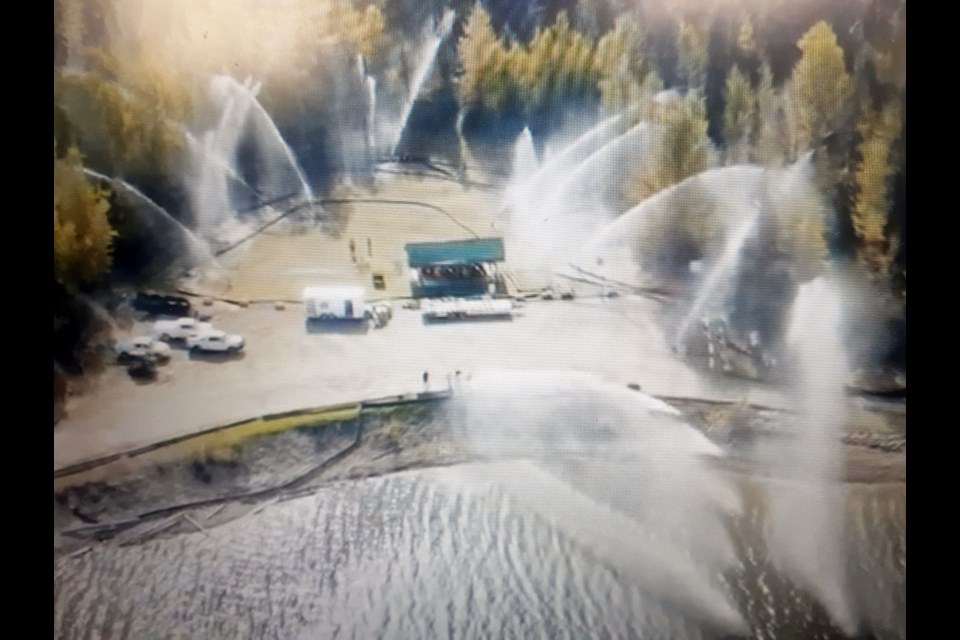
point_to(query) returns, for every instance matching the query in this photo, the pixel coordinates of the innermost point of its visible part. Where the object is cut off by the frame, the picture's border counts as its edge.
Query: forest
(765, 83)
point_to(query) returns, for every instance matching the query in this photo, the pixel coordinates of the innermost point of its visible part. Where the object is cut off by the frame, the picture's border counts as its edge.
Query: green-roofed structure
(455, 269)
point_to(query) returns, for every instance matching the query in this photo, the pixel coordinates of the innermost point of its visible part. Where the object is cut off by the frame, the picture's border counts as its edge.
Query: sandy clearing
(286, 367)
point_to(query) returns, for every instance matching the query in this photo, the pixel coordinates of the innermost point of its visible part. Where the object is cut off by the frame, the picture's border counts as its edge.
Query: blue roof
(455, 252)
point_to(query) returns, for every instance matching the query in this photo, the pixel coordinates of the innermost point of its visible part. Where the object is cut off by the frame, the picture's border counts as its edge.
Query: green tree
(773, 134)
(745, 50)
(557, 67)
(820, 85)
(625, 47)
(626, 75)
(746, 38)
(800, 219)
(560, 66)
(872, 175)
(681, 150)
(361, 31)
(81, 232)
(738, 116)
(892, 64)
(127, 115)
(692, 55)
(71, 30)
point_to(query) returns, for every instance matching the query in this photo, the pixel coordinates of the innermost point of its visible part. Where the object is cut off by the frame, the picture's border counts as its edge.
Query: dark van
(161, 305)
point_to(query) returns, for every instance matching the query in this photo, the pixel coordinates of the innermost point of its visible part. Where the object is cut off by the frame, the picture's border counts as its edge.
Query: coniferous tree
(872, 176)
(738, 116)
(81, 232)
(627, 74)
(820, 85)
(692, 56)
(681, 149)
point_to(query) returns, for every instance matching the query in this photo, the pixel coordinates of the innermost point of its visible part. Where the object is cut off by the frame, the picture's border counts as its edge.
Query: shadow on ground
(347, 327)
(505, 318)
(204, 356)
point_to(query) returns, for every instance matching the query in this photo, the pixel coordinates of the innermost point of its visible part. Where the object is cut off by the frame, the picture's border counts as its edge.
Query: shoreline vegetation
(203, 481)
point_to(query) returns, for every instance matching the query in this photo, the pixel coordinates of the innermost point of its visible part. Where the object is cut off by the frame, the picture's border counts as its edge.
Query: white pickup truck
(142, 347)
(215, 341)
(179, 329)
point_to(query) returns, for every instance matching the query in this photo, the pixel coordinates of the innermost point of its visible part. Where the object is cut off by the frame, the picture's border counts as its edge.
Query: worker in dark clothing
(426, 380)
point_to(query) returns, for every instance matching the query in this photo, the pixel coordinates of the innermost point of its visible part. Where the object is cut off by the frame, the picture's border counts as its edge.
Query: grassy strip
(221, 442)
(223, 445)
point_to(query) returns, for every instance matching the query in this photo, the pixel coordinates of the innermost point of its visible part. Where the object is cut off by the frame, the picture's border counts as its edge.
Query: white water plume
(424, 60)
(569, 199)
(616, 470)
(805, 526)
(213, 158)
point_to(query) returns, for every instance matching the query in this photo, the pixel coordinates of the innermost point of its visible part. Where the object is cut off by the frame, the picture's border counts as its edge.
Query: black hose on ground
(323, 201)
(109, 529)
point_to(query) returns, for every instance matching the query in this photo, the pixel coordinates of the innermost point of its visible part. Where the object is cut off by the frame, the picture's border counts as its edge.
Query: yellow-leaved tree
(820, 85)
(557, 68)
(681, 149)
(81, 231)
(132, 127)
(485, 79)
(560, 66)
(872, 175)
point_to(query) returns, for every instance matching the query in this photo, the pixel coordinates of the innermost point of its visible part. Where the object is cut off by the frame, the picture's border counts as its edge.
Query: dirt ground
(286, 366)
(279, 264)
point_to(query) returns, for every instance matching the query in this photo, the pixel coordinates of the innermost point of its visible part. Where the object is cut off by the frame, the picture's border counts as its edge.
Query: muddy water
(411, 555)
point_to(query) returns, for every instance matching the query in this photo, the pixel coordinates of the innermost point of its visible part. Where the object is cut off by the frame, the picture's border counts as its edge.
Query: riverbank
(200, 483)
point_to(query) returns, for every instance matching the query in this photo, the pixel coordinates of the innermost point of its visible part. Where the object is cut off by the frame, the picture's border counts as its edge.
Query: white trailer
(464, 308)
(335, 303)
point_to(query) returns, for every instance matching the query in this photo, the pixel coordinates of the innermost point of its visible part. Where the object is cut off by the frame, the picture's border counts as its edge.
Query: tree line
(845, 103)
(130, 77)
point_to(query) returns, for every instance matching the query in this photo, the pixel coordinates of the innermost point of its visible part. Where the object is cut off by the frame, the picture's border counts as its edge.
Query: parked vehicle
(215, 341)
(467, 308)
(161, 305)
(141, 368)
(335, 303)
(379, 314)
(142, 347)
(557, 292)
(179, 329)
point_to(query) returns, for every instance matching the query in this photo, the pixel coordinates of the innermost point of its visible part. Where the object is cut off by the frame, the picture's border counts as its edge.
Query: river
(422, 554)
